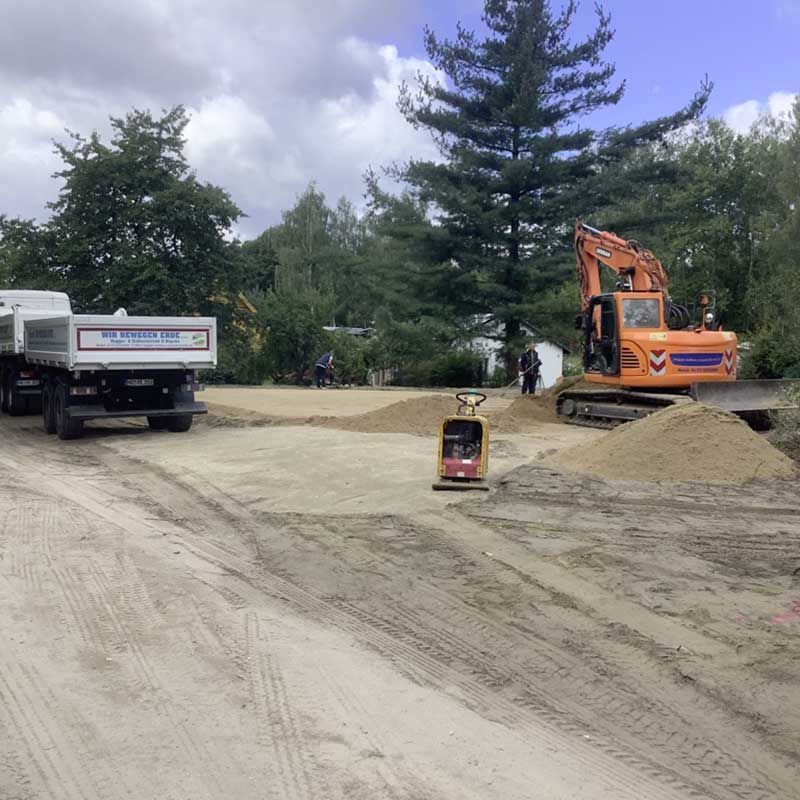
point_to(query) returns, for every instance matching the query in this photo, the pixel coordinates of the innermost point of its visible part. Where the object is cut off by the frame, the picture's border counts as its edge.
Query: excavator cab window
(601, 345)
(641, 313)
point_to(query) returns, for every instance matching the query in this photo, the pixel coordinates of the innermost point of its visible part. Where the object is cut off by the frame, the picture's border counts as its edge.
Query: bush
(573, 366)
(772, 355)
(237, 362)
(351, 363)
(500, 378)
(455, 368)
(295, 338)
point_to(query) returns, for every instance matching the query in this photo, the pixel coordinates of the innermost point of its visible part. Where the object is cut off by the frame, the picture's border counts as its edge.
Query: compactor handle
(477, 397)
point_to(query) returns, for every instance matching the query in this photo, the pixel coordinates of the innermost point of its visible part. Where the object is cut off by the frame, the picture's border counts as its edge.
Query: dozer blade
(744, 396)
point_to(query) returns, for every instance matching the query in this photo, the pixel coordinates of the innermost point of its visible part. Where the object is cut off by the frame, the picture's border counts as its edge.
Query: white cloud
(279, 95)
(266, 163)
(225, 128)
(741, 117)
(27, 160)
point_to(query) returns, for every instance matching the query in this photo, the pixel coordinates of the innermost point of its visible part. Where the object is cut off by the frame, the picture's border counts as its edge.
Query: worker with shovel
(324, 369)
(529, 363)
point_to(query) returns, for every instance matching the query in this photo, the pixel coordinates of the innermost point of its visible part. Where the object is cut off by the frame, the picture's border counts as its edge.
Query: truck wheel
(180, 423)
(157, 423)
(48, 409)
(3, 398)
(16, 405)
(66, 428)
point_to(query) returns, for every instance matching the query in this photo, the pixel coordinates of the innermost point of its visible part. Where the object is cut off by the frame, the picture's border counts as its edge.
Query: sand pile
(684, 442)
(420, 415)
(524, 413)
(527, 412)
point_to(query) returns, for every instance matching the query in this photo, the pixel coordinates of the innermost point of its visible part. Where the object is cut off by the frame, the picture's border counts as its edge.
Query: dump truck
(72, 368)
(642, 351)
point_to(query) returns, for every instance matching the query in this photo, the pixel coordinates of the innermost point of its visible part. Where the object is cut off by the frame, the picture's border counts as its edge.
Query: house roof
(348, 330)
(489, 320)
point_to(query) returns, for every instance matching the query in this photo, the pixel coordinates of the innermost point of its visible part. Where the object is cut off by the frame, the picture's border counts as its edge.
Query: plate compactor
(463, 460)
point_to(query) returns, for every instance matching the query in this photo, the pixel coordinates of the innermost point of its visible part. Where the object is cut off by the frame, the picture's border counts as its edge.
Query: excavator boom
(638, 268)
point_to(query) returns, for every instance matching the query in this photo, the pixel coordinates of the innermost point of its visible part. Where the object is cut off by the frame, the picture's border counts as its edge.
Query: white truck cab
(19, 305)
(34, 300)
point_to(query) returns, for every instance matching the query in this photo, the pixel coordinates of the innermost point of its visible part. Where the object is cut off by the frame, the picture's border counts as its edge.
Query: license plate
(28, 383)
(139, 382)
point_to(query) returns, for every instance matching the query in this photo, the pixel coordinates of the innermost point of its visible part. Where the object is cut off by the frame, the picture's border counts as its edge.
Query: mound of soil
(528, 411)
(685, 442)
(221, 416)
(524, 413)
(420, 415)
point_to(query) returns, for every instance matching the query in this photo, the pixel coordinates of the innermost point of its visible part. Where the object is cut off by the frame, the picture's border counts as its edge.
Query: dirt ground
(288, 404)
(290, 612)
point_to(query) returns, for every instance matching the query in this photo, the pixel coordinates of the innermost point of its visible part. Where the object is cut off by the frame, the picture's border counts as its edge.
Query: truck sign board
(142, 339)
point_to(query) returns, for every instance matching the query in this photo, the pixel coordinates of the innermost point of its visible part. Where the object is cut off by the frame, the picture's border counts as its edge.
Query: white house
(490, 347)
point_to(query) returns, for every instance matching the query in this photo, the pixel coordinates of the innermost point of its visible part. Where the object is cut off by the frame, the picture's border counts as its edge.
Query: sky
(283, 92)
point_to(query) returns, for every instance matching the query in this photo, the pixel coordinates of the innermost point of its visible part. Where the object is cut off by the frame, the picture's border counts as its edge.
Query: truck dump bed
(107, 342)
(12, 327)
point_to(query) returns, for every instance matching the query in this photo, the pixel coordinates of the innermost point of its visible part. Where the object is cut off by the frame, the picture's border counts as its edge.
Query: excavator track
(608, 408)
(754, 401)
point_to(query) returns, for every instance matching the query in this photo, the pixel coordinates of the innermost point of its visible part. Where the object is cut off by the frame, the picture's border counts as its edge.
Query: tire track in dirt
(726, 771)
(397, 781)
(124, 632)
(699, 718)
(369, 630)
(544, 688)
(112, 627)
(47, 749)
(278, 728)
(417, 660)
(716, 765)
(97, 759)
(415, 650)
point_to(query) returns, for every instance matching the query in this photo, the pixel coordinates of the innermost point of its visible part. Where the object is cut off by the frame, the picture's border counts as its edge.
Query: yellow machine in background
(463, 459)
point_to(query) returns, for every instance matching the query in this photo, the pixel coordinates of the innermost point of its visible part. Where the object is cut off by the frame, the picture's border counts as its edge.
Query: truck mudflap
(87, 412)
(749, 396)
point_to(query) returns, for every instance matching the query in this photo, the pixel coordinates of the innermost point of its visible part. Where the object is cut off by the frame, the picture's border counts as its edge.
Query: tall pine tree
(517, 166)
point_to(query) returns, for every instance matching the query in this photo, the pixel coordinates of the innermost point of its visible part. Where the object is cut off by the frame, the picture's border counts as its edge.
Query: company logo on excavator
(696, 359)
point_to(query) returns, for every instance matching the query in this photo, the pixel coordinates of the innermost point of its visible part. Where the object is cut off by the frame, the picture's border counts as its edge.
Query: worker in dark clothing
(323, 369)
(529, 363)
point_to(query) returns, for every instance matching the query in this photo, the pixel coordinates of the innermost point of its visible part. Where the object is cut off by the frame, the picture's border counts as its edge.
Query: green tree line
(482, 232)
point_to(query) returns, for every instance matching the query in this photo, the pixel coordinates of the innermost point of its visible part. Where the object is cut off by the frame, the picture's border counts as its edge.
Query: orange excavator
(643, 351)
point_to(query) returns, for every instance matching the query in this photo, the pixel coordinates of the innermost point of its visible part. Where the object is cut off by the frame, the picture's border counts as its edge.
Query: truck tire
(3, 398)
(48, 408)
(16, 404)
(179, 423)
(66, 428)
(157, 423)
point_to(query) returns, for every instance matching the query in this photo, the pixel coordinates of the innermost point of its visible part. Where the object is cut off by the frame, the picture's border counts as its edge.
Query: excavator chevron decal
(658, 362)
(730, 362)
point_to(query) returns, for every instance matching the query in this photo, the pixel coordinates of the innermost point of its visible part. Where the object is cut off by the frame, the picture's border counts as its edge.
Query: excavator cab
(612, 318)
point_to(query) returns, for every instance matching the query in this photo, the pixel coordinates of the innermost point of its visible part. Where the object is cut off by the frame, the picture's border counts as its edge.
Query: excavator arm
(638, 268)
